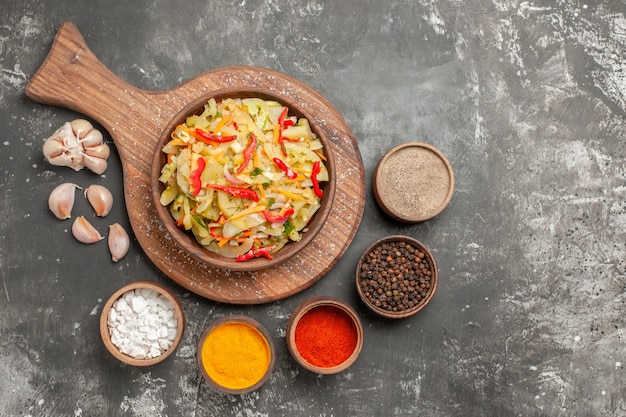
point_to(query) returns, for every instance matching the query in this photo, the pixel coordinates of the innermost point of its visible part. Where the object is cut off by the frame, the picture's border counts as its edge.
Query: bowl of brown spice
(413, 182)
(396, 276)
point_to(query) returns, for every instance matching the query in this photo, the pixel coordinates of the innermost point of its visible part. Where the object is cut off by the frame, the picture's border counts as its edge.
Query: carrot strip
(321, 155)
(180, 221)
(222, 123)
(251, 210)
(284, 210)
(261, 190)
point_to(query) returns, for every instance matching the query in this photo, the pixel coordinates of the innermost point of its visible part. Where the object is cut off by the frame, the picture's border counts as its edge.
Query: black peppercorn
(395, 276)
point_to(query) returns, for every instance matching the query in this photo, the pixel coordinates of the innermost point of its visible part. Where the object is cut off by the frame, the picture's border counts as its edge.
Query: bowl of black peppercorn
(396, 277)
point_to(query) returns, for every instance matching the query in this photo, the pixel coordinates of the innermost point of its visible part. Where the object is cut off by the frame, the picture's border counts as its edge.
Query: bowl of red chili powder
(324, 335)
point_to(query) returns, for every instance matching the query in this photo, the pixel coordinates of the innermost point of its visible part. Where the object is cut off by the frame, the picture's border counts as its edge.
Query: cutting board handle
(71, 76)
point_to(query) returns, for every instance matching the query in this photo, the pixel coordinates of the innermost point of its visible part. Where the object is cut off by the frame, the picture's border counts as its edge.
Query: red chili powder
(325, 336)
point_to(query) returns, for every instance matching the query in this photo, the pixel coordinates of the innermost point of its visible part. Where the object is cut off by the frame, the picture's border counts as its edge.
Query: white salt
(142, 324)
(138, 303)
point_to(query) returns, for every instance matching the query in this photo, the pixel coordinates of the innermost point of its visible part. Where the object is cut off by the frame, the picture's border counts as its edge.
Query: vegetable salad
(244, 177)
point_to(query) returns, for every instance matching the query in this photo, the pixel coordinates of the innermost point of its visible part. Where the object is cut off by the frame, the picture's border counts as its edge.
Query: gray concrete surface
(526, 98)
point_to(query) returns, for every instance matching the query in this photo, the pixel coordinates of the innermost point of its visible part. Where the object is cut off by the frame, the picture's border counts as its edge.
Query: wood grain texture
(71, 76)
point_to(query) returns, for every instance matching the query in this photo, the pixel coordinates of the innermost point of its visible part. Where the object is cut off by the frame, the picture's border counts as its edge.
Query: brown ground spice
(413, 182)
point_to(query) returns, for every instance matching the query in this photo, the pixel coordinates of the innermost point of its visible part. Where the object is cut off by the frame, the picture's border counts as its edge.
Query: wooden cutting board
(72, 77)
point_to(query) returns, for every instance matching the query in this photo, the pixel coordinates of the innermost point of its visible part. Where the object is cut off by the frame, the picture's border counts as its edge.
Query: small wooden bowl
(377, 296)
(229, 347)
(186, 239)
(104, 326)
(341, 310)
(413, 182)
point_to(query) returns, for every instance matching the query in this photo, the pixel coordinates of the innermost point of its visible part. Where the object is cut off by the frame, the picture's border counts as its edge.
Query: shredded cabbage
(253, 188)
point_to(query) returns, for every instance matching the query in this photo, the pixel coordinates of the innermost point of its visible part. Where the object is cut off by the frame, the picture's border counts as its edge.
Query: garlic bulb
(84, 232)
(119, 242)
(61, 200)
(77, 144)
(100, 199)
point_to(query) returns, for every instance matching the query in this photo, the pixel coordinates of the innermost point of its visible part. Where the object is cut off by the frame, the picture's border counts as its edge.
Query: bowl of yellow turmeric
(235, 354)
(243, 180)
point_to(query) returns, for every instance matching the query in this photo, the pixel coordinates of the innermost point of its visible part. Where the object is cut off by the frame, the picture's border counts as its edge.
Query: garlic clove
(81, 127)
(100, 198)
(101, 151)
(61, 200)
(119, 242)
(53, 147)
(68, 159)
(65, 134)
(84, 232)
(96, 165)
(93, 138)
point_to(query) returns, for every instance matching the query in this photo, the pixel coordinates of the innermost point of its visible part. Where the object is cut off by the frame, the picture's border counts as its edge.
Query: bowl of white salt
(142, 323)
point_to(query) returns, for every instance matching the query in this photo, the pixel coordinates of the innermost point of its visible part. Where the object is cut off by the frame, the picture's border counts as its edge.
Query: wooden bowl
(300, 330)
(186, 239)
(105, 328)
(215, 340)
(396, 295)
(413, 182)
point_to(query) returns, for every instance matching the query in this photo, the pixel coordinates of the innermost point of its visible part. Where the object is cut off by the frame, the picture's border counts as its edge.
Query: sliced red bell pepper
(255, 253)
(291, 174)
(316, 185)
(281, 118)
(209, 138)
(236, 191)
(214, 234)
(195, 181)
(281, 127)
(247, 153)
(283, 121)
(277, 218)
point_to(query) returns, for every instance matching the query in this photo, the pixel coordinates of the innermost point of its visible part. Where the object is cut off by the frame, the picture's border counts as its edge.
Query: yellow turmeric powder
(236, 355)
